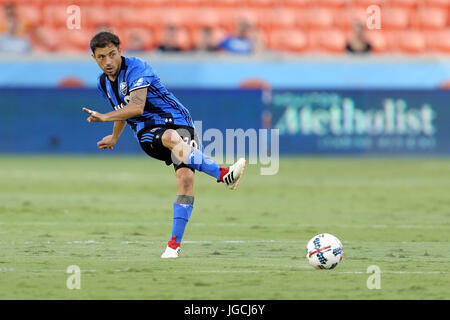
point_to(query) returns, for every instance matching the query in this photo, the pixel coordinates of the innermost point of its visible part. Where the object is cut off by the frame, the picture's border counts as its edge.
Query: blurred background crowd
(234, 26)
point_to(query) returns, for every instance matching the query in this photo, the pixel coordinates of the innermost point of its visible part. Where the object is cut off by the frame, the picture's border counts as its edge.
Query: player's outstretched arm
(133, 109)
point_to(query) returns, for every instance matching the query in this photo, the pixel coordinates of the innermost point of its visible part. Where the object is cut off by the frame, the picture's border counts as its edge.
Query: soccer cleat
(231, 176)
(172, 249)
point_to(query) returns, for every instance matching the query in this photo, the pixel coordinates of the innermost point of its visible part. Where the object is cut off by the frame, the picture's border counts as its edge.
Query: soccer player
(162, 125)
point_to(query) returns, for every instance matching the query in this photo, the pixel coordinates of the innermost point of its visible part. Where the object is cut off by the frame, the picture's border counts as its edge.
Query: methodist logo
(329, 114)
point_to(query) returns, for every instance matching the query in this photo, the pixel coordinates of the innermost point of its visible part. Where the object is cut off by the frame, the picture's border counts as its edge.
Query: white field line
(305, 268)
(312, 270)
(236, 241)
(150, 242)
(225, 224)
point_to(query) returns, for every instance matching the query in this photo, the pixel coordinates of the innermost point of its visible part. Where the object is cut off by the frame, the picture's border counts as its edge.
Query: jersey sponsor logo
(139, 82)
(120, 106)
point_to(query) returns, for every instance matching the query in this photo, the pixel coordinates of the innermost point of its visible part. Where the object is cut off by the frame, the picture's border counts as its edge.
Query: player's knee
(185, 179)
(170, 138)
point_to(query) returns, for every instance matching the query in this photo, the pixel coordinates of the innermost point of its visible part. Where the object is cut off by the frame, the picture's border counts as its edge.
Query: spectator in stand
(358, 42)
(244, 42)
(169, 42)
(136, 44)
(12, 40)
(207, 43)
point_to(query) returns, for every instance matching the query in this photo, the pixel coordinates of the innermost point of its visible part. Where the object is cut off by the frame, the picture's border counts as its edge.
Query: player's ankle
(223, 172)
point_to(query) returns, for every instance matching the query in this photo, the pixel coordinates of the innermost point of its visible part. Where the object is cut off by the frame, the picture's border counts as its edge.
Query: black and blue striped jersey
(161, 107)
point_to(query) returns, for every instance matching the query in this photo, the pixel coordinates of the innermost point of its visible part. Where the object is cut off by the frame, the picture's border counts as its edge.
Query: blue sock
(182, 210)
(198, 161)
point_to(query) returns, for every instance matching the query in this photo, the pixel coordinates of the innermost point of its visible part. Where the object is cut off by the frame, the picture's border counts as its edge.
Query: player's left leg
(182, 209)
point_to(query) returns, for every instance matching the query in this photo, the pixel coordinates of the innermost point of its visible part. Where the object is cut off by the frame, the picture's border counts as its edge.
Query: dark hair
(102, 39)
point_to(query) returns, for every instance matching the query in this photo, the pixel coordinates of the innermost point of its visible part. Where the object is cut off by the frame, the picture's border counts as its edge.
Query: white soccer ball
(324, 251)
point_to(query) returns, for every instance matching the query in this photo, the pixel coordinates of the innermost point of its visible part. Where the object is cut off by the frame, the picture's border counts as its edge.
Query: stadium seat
(175, 17)
(200, 17)
(229, 18)
(261, 3)
(281, 18)
(251, 16)
(430, 18)
(331, 3)
(332, 41)
(367, 3)
(2, 20)
(296, 3)
(320, 18)
(184, 3)
(29, 15)
(377, 40)
(159, 18)
(314, 39)
(154, 3)
(273, 18)
(55, 15)
(288, 40)
(346, 18)
(151, 17)
(227, 3)
(444, 41)
(437, 3)
(407, 4)
(122, 17)
(438, 41)
(76, 40)
(394, 18)
(411, 41)
(94, 16)
(45, 39)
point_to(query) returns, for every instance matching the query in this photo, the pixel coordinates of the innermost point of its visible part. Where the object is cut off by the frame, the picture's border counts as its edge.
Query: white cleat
(234, 174)
(171, 253)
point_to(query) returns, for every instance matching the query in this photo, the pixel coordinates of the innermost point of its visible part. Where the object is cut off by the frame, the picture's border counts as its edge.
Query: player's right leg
(197, 160)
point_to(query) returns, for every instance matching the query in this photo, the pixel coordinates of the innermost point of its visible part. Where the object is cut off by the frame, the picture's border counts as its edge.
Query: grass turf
(112, 217)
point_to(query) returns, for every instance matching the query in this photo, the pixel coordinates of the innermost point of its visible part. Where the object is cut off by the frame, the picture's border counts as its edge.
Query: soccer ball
(324, 251)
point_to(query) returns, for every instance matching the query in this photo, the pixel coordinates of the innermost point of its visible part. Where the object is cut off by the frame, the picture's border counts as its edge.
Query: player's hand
(107, 142)
(94, 116)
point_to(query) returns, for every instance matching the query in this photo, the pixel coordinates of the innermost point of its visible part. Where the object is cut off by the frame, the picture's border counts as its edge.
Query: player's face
(108, 59)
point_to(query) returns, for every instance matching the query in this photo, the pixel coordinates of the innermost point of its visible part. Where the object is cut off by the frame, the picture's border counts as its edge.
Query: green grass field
(103, 215)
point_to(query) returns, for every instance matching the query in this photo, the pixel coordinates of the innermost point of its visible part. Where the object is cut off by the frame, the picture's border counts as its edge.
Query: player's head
(106, 51)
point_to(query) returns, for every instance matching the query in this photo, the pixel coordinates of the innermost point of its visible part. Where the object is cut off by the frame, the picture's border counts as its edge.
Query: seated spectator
(136, 44)
(242, 43)
(358, 42)
(207, 42)
(169, 42)
(11, 40)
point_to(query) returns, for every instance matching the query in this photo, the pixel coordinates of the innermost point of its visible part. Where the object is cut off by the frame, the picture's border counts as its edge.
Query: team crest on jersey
(123, 88)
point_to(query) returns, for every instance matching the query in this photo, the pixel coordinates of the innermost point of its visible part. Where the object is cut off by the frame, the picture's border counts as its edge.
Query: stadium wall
(190, 71)
(309, 121)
